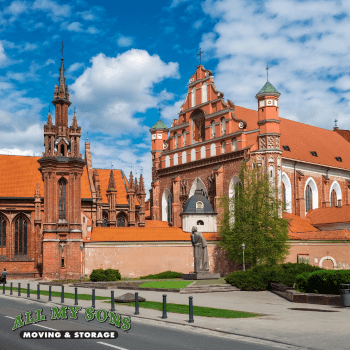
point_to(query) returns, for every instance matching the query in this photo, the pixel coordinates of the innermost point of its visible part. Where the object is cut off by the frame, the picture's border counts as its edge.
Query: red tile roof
(329, 215)
(120, 181)
(302, 139)
(143, 234)
(336, 235)
(297, 224)
(154, 223)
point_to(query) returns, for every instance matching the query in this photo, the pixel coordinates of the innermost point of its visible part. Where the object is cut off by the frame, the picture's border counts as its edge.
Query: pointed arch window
(308, 198)
(223, 147)
(333, 198)
(184, 137)
(121, 221)
(104, 219)
(21, 236)
(62, 200)
(284, 200)
(2, 232)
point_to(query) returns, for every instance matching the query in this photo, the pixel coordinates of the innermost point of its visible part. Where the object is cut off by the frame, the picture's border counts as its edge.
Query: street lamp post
(81, 260)
(243, 246)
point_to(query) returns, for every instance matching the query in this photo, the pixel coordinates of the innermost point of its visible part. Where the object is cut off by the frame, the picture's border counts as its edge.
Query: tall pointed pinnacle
(49, 120)
(131, 181)
(141, 185)
(111, 183)
(74, 122)
(37, 191)
(136, 185)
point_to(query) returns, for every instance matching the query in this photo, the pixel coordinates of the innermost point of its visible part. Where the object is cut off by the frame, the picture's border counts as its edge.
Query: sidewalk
(327, 328)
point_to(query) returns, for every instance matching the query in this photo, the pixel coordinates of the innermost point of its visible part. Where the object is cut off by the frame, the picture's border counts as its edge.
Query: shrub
(322, 282)
(100, 275)
(166, 274)
(261, 276)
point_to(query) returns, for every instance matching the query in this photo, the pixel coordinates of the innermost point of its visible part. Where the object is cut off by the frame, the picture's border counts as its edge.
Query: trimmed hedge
(166, 274)
(322, 282)
(100, 275)
(260, 277)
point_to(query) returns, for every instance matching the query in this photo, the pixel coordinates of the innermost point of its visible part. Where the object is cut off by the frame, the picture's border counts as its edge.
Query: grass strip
(166, 284)
(58, 294)
(197, 310)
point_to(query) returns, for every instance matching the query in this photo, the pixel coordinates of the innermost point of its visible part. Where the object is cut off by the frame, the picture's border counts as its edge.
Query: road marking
(112, 346)
(38, 325)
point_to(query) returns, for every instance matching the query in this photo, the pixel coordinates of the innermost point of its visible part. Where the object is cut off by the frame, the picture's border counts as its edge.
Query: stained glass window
(308, 199)
(121, 221)
(333, 198)
(2, 232)
(62, 200)
(21, 236)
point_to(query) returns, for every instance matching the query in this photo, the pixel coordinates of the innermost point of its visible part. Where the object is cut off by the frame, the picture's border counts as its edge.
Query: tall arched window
(21, 236)
(333, 198)
(184, 156)
(223, 147)
(202, 152)
(2, 232)
(176, 159)
(193, 96)
(167, 161)
(62, 199)
(308, 198)
(284, 199)
(204, 92)
(104, 220)
(193, 154)
(184, 137)
(62, 150)
(234, 144)
(121, 221)
(176, 140)
(213, 129)
(223, 126)
(212, 149)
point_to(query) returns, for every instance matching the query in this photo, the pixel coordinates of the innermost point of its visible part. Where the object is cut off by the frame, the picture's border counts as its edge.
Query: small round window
(199, 205)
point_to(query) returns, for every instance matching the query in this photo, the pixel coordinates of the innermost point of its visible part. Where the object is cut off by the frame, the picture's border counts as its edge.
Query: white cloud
(87, 15)
(74, 67)
(176, 3)
(197, 24)
(53, 9)
(306, 45)
(16, 8)
(169, 113)
(124, 41)
(74, 27)
(92, 30)
(3, 57)
(113, 89)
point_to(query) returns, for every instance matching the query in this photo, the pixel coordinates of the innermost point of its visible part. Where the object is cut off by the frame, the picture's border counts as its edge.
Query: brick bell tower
(269, 152)
(62, 167)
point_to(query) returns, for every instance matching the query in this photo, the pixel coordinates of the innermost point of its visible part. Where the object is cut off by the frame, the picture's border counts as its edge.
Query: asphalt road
(144, 334)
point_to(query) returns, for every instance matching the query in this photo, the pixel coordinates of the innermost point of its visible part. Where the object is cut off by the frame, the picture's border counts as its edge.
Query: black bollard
(93, 298)
(3, 287)
(137, 312)
(76, 296)
(38, 291)
(62, 295)
(28, 290)
(50, 294)
(191, 320)
(112, 301)
(164, 307)
(11, 288)
(19, 289)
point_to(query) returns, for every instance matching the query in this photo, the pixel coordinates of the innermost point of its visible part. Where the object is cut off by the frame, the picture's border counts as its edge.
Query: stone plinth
(203, 275)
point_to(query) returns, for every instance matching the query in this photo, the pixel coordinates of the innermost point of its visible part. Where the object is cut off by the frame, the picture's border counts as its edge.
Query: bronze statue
(200, 251)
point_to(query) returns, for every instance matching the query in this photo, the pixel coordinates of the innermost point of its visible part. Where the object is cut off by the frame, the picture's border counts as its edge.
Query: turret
(159, 135)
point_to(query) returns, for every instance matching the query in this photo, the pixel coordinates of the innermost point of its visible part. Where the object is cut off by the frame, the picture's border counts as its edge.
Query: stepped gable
(144, 234)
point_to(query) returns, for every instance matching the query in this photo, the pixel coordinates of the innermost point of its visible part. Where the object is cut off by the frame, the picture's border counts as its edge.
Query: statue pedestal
(202, 275)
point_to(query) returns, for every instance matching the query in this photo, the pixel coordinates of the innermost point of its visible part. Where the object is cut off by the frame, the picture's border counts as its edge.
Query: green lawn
(54, 294)
(197, 310)
(166, 284)
(220, 280)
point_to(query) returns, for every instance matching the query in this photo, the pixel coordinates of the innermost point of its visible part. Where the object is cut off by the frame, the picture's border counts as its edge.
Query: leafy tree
(253, 216)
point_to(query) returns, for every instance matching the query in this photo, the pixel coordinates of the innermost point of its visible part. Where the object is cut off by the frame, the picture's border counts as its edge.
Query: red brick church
(49, 204)
(205, 145)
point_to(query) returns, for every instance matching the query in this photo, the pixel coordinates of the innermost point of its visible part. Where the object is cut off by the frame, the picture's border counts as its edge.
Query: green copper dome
(268, 87)
(159, 125)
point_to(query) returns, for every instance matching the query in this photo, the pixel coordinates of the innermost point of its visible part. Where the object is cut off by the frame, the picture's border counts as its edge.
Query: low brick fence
(290, 294)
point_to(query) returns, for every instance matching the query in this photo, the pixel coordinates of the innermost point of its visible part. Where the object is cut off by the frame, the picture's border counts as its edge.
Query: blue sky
(124, 60)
